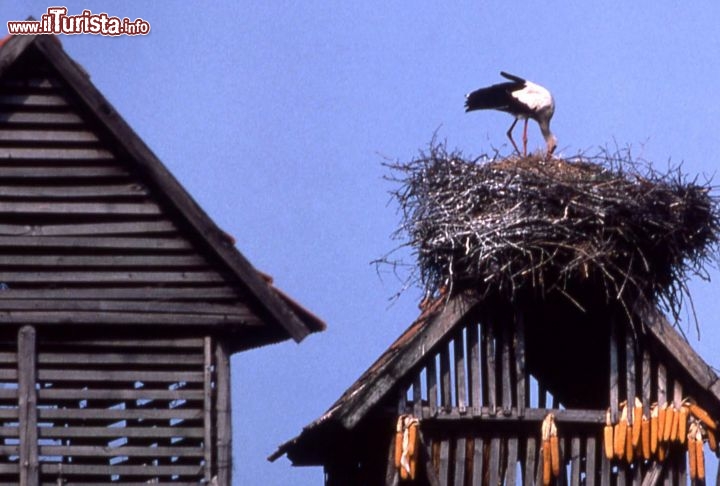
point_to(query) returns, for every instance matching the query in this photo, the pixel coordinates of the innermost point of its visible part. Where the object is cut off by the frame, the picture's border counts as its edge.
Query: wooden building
(481, 379)
(120, 300)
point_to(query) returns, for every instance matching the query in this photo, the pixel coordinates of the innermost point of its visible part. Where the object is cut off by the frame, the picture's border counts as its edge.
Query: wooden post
(207, 408)
(223, 408)
(614, 374)
(27, 404)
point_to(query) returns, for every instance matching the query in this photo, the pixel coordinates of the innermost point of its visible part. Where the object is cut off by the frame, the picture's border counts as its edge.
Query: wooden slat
(511, 467)
(460, 376)
(506, 373)
(75, 191)
(27, 405)
(223, 410)
(91, 229)
(646, 382)
(105, 261)
(417, 395)
(119, 394)
(489, 355)
(605, 471)
(62, 172)
(530, 461)
(119, 414)
(614, 372)
(445, 379)
(111, 277)
(661, 384)
(86, 375)
(131, 451)
(590, 461)
(35, 136)
(119, 432)
(478, 456)
(40, 118)
(519, 352)
(444, 468)
(124, 293)
(207, 408)
(474, 376)
(64, 153)
(147, 208)
(575, 464)
(86, 242)
(143, 470)
(124, 318)
(130, 359)
(432, 385)
(630, 372)
(494, 460)
(34, 100)
(460, 450)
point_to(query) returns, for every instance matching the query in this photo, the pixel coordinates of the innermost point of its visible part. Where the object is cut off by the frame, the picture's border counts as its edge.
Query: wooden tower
(120, 300)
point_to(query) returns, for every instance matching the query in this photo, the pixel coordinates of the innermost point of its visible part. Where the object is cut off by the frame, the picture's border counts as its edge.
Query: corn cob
(692, 453)
(675, 423)
(667, 426)
(654, 417)
(398, 441)
(699, 456)
(700, 414)
(412, 437)
(662, 412)
(712, 440)
(629, 448)
(554, 450)
(620, 433)
(661, 452)
(636, 422)
(608, 436)
(645, 437)
(682, 424)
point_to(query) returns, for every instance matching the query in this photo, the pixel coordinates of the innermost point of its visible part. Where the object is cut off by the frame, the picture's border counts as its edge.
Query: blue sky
(277, 116)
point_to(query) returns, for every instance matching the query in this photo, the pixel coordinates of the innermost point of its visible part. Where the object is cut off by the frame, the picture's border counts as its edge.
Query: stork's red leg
(509, 134)
(525, 138)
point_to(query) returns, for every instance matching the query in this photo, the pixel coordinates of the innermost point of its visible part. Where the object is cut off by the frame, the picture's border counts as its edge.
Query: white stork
(522, 99)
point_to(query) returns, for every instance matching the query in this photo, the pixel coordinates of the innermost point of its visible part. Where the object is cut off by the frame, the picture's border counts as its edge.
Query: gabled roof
(119, 148)
(435, 324)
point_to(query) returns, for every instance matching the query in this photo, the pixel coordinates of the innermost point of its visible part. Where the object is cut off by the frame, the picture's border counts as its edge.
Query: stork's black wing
(495, 97)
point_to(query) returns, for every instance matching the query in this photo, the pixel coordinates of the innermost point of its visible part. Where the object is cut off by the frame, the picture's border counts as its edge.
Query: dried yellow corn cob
(661, 452)
(654, 417)
(645, 437)
(667, 426)
(692, 455)
(554, 450)
(712, 440)
(608, 436)
(700, 457)
(412, 437)
(629, 448)
(700, 414)
(620, 433)
(674, 426)
(398, 441)
(662, 412)
(682, 424)
(636, 422)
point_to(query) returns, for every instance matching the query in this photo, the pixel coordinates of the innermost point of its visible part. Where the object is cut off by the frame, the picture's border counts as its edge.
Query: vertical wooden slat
(614, 373)
(223, 411)
(489, 351)
(27, 403)
(444, 469)
(507, 384)
(519, 351)
(432, 386)
(207, 408)
(494, 460)
(473, 343)
(637, 475)
(477, 461)
(417, 396)
(630, 372)
(646, 382)
(677, 393)
(575, 465)
(590, 461)
(530, 455)
(392, 478)
(605, 470)
(445, 379)
(460, 450)
(460, 387)
(511, 468)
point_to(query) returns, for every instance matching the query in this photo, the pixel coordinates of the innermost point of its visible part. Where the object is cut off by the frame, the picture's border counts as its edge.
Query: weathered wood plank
(507, 385)
(490, 367)
(614, 372)
(104, 261)
(85, 375)
(646, 382)
(444, 467)
(117, 276)
(630, 372)
(30, 172)
(142, 470)
(590, 461)
(86, 242)
(605, 471)
(460, 376)
(130, 451)
(72, 191)
(143, 342)
(143, 307)
(147, 208)
(445, 379)
(417, 395)
(35, 136)
(118, 394)
(88, 414)
(27, 405)
(432, 385)
(494, 460)
(511, 466)
(129, 359)
(661, 383)
(40, 118)
(575, 464)
(92, 229)
(125, 293)
(223, 410)
(478, 454)
(52, 153)
(124, 318)
(519, 352)
(460, 450)
(207, 408)
(33, 100)
(119, 432)
(474, 376)
(580, 416)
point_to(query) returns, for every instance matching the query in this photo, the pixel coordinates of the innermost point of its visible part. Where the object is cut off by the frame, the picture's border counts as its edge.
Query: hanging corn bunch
(620, 433)
(406, 438)
(654, 420)
(550, 449)
(608, 436)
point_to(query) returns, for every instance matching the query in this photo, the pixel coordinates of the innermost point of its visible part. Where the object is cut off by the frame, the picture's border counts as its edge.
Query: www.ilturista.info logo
(57, 21)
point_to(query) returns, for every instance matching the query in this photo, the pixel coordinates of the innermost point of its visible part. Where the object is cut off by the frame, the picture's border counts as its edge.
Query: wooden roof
(434, 325)
(95, 229)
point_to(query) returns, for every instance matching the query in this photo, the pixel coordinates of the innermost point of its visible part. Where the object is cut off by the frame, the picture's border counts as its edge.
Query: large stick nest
(509, 226)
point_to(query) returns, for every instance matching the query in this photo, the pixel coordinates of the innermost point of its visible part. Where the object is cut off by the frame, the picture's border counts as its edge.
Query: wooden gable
(481, 380)
(95, 230)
